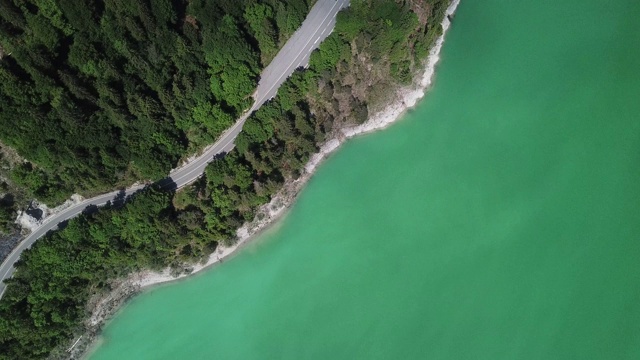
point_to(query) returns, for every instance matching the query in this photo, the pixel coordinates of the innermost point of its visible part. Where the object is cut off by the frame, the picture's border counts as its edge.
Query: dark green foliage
(45, 300)
(92, 89)
(49, 187)
(274, 145)
(259, 17)
(233, 66)
(388, 29)
(10, 195)
(7, 210)
(376, 45)
(330, 52)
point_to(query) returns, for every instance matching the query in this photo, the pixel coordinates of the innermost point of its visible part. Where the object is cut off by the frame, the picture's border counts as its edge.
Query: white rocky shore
(405, 98)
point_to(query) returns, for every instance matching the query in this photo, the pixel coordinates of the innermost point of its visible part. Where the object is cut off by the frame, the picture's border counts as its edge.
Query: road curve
(295, 53)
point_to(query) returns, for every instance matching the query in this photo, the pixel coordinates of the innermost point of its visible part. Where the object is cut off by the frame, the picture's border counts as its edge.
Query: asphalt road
(295, 53)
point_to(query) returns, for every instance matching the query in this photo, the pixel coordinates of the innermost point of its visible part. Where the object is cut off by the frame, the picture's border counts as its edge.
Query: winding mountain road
(318, 24)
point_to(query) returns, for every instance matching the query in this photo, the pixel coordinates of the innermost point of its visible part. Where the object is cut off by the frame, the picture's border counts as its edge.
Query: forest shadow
(34, 212)
(119, 200)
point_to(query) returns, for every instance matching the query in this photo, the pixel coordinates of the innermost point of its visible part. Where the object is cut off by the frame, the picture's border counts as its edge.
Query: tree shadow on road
(119, 200)
(90, 209)
(61, 226)
(166, 184)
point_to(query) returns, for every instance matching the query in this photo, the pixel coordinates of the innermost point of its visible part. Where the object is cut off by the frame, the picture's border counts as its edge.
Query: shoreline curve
(271, 213)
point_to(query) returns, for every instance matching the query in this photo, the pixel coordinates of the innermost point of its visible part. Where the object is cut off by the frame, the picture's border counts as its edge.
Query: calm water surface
(499, 220)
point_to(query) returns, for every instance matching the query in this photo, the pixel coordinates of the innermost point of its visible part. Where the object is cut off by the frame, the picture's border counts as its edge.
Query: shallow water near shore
(500, 219)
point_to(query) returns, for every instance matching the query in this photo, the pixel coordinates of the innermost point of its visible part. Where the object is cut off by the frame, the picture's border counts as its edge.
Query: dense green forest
(11, 195)
(89, 89)
(377, 45)
(7, 209)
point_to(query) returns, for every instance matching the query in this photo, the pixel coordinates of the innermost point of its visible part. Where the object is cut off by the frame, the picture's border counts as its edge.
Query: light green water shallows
(498, 220)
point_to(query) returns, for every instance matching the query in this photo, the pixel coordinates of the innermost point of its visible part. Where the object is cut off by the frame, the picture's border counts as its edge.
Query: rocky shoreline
(102, 307)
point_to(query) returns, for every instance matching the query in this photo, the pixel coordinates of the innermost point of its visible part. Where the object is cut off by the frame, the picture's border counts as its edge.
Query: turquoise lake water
(500, 219)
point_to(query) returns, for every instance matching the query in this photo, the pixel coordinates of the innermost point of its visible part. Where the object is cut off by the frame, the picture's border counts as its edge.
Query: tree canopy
(97, 94)
(90, 90)
(46, 300)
